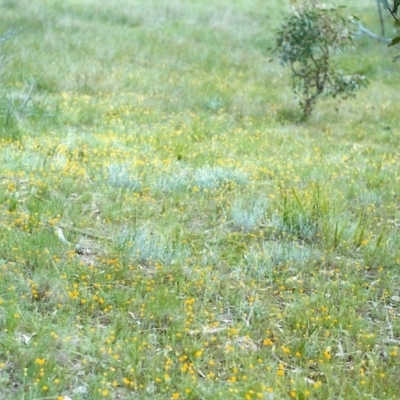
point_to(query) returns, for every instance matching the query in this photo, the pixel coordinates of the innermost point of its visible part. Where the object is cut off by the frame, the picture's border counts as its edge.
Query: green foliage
(306, 42)
(393, 11)
(394, 41)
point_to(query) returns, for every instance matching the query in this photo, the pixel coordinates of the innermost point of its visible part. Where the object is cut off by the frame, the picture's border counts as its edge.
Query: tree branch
(363, 30)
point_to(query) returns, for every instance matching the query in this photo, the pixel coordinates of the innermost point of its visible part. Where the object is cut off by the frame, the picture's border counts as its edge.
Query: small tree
(306, 42)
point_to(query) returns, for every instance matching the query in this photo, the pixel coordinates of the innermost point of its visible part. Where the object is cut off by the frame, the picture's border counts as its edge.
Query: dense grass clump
(168, 230)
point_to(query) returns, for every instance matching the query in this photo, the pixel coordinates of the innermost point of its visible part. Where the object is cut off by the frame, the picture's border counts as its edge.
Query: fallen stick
(82, 232)
(363, 30)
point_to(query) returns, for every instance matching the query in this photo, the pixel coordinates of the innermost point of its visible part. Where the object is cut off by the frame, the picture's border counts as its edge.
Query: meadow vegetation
(169, 229)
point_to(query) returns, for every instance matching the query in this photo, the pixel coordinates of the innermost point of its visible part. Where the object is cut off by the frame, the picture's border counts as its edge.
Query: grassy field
(169, 230)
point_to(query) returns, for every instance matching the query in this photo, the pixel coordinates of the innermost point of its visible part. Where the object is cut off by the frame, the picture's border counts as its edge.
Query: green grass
(225, 250)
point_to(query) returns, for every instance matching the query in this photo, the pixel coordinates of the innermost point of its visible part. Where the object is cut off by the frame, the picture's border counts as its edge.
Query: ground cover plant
(168, 227)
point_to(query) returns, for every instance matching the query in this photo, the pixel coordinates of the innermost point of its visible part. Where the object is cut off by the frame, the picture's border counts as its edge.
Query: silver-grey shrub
(120, 177)
(208, 178)
(148, 246)
(248, 214)
(262, 262)
(174, 182)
